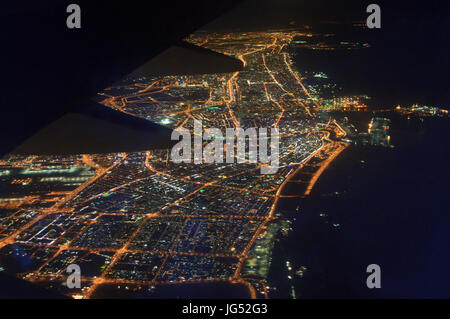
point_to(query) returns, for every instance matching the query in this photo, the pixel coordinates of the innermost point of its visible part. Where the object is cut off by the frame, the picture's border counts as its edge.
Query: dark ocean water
(405, 63)
(382, 206)
(392, 210)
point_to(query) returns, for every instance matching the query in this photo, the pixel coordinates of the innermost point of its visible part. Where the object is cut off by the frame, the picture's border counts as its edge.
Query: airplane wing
(53, 72)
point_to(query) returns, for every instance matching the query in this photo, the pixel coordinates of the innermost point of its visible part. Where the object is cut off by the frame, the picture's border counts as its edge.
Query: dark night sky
(260, 14)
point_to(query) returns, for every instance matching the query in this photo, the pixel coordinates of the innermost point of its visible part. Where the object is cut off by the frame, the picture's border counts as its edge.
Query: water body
(374, 205)
(405, 64)
(378, 205)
